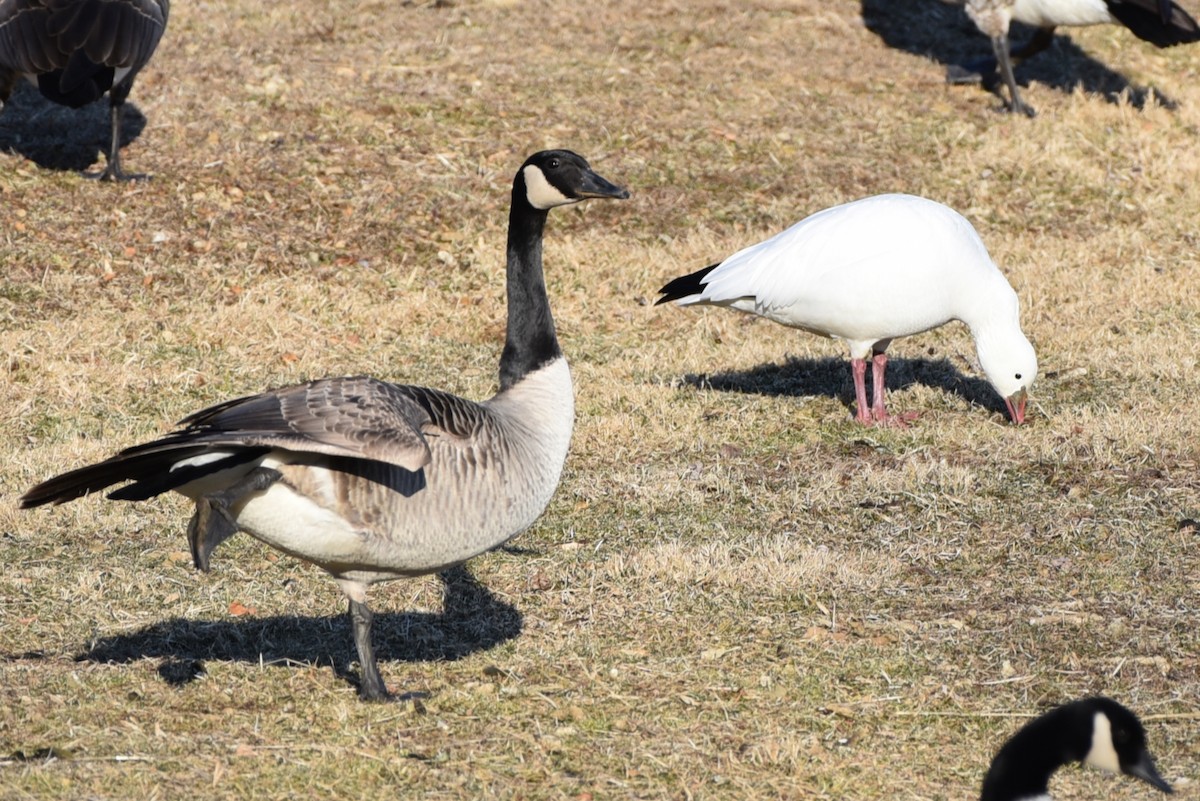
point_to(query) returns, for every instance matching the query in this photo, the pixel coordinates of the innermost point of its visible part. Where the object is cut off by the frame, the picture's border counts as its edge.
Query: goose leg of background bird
(858, 368)
(973, 71)
(1000, 46)
(1040, 41)
(879, 411)
(213, 523)
(371, 686)
(8, 82)
(116, 105)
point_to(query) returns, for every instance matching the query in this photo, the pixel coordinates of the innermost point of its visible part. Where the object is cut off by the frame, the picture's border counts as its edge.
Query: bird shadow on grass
(943, 32)
(473, 619)
(830, 377)
(59, 138)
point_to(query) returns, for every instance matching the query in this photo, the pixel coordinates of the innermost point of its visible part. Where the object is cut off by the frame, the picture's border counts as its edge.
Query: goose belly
(1048, 13)
(384, 521)
(861, 321)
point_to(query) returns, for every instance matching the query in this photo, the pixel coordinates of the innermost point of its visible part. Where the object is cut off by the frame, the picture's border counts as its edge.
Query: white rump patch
(540, 192)
(200, 459)
(1103, 754)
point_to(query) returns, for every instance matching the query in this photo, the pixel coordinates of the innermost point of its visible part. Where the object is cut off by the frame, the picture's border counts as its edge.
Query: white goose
(76, 50)
(1160, 22)
(375, 481)
(1096, 731)
(868, 272)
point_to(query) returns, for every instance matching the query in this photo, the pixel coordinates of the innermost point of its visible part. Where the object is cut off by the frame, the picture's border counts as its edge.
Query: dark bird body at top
(1160, 22)
(76, 51)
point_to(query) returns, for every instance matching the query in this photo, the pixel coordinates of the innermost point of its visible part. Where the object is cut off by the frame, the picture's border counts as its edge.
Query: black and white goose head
(1096, 731)
(558, 177)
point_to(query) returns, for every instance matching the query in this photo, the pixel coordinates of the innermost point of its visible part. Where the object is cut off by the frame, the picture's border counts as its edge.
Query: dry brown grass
(736, 593)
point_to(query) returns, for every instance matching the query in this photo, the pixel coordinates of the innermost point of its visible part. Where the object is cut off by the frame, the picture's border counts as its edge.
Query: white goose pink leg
(876, 413)
(858, 368)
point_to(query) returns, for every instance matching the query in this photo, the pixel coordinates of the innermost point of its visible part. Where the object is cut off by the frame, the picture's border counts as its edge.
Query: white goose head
(1011, 367)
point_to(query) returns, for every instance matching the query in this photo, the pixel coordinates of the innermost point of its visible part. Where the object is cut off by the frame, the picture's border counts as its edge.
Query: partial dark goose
(370, 480)
(1160, 22)
(75, 51)
(869, 272)
(1097, 731)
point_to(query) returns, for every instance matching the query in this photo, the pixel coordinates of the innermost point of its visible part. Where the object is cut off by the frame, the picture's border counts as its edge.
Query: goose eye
(552, 164)
(1018, 376)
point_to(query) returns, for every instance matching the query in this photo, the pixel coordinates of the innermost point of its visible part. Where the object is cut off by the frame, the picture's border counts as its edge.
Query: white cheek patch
(1102, 754)
(540, 192)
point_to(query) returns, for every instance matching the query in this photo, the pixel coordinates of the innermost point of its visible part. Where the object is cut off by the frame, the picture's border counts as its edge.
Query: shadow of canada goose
(472, 619)
(943, 32)
(830, 377)
(60, 138)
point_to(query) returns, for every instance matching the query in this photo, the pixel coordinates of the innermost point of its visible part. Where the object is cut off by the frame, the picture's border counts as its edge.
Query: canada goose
(868, 272)
(1096, 731)
(374, 481)
(76, 50)
(1160, 22)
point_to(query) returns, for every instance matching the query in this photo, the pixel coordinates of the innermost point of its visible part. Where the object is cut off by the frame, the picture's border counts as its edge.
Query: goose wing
(816, 254)
(358, 417)
(38, 36)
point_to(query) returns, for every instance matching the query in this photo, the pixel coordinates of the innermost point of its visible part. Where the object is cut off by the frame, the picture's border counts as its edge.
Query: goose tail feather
(685, 285)
(1143, 19)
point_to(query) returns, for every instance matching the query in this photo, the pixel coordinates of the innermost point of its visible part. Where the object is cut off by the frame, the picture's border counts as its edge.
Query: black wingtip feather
(1145, 20)
(150, 462)
(685, 285)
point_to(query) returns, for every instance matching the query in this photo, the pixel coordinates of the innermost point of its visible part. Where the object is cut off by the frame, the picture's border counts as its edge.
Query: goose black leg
(112, 169)
(1040, 41)
(1000, 46)
(371, 686)
(8, 82)
(213, 523)
(973, 72)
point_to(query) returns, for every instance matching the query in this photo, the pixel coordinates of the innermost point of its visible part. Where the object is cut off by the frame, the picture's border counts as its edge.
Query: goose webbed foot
(112, 169)
(113, 172)
(213, 522)
(370, 684)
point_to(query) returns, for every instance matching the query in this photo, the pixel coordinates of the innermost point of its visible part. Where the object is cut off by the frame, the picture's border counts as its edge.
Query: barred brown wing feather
(359, 417)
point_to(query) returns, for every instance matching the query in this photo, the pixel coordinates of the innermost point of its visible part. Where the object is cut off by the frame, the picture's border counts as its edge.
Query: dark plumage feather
(43, 36)
(1144, 18)
(685, 285)
(357, 417)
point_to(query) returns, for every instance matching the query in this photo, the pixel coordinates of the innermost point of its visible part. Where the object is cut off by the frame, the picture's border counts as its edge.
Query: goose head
(1097, 731)
(1010, 365)
(1119, 743)
(558, 177)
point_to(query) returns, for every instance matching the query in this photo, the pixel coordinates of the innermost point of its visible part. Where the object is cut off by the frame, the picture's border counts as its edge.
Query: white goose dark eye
(1018, 376)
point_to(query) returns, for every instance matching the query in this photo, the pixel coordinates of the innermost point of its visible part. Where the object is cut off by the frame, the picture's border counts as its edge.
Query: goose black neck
(530, 342)
(1024, 765)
